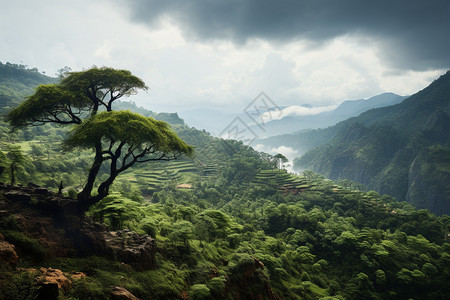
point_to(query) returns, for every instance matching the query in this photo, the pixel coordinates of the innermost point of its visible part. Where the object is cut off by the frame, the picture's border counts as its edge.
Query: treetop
(128, 128)
(99, 82)
(78, 95)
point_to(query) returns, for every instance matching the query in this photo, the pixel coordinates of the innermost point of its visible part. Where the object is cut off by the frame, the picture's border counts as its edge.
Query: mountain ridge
(390, 139)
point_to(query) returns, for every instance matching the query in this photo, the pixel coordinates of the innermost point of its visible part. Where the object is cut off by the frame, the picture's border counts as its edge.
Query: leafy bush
(89, 289)
(17, 286)
(25, 245)
(200, 291)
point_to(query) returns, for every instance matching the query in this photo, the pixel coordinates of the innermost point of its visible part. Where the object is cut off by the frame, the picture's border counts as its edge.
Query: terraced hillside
(283, 180)
(151, 178)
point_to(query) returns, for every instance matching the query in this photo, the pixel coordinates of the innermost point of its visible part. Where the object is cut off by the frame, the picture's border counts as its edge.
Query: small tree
(3, 164)
(15, 157)
(119, 138)
(280, 159)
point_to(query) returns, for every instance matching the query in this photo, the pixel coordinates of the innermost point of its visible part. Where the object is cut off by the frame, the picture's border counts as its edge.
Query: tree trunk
(13, 175)
(84, 197)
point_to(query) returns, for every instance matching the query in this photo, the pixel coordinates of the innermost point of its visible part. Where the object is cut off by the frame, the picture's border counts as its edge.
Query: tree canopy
(118, 138)
(78, 95)
(123, 138)
(120, 128)
(103, 85)
(50, 104)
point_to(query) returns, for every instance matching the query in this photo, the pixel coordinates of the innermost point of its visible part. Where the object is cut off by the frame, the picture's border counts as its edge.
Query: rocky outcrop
(119, 293)
(8, 255)
(55, 278)
(40, 198)
(250, 283)
(128, 247)
(54, 221)
(53, 282)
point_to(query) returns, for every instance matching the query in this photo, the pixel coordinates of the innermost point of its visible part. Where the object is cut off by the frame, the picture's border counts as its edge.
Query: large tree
(119, 138)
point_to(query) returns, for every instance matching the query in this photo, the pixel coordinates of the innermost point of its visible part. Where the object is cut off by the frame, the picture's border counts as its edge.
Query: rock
(8, 255)
(41, 191)
(77, 276)
(54, 276)
(250, 277)
(18, 196)
(43, 230)
(128, 247)
(52, 281)
(48, 291)
(119, 293)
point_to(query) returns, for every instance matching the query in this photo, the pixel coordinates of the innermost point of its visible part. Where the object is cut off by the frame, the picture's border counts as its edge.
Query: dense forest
(401, 150)
(228, 223)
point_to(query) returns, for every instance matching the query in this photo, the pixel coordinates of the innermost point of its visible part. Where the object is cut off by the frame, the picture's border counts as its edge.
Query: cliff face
(51, 221)
(428, 180)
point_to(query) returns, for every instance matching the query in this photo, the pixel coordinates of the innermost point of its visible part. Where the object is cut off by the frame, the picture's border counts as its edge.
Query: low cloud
(297, 110)
(288, 152)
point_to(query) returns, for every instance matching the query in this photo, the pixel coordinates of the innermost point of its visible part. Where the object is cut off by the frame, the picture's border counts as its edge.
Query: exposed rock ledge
(128, 247)
(52, 219)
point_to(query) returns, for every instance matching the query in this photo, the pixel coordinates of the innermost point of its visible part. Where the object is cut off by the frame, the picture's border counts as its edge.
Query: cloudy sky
(222, 54)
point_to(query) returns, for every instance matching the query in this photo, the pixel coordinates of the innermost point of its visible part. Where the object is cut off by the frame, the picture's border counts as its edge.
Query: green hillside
(17, 81)
(224, 224)
(383, 147)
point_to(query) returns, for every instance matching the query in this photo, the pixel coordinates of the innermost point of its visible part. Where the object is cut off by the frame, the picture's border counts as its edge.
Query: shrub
(200, 291)
(18, 286)
(27, 246)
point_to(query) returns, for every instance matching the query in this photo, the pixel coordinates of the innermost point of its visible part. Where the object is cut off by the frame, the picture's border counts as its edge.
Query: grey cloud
(413, 34)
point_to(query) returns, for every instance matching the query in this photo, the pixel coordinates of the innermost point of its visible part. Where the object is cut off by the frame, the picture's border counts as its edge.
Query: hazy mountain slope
(356, 107)
(393, 149)
(305, 138)
(347, 109)
(16, 81)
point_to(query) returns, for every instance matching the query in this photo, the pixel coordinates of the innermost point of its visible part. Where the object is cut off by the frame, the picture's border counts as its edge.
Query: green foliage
(3, 164)
(217, 285)
(116, 210)
(242, 226)
(17, 81)
(17, 285)
(72, 193)
(200, 291)
(88, 288)
(103, 83)
(26, 246)
(49, 103)
(127, 128)
(119, 139)
(401, 150)
(16, 158)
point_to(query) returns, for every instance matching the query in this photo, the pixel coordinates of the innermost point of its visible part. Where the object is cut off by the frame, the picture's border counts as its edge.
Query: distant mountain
(210, 120)
(216, 122)
(402, 150)
(356, 107)
(347, 109)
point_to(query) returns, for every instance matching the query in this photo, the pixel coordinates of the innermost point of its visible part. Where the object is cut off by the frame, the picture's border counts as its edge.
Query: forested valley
(222, 222)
